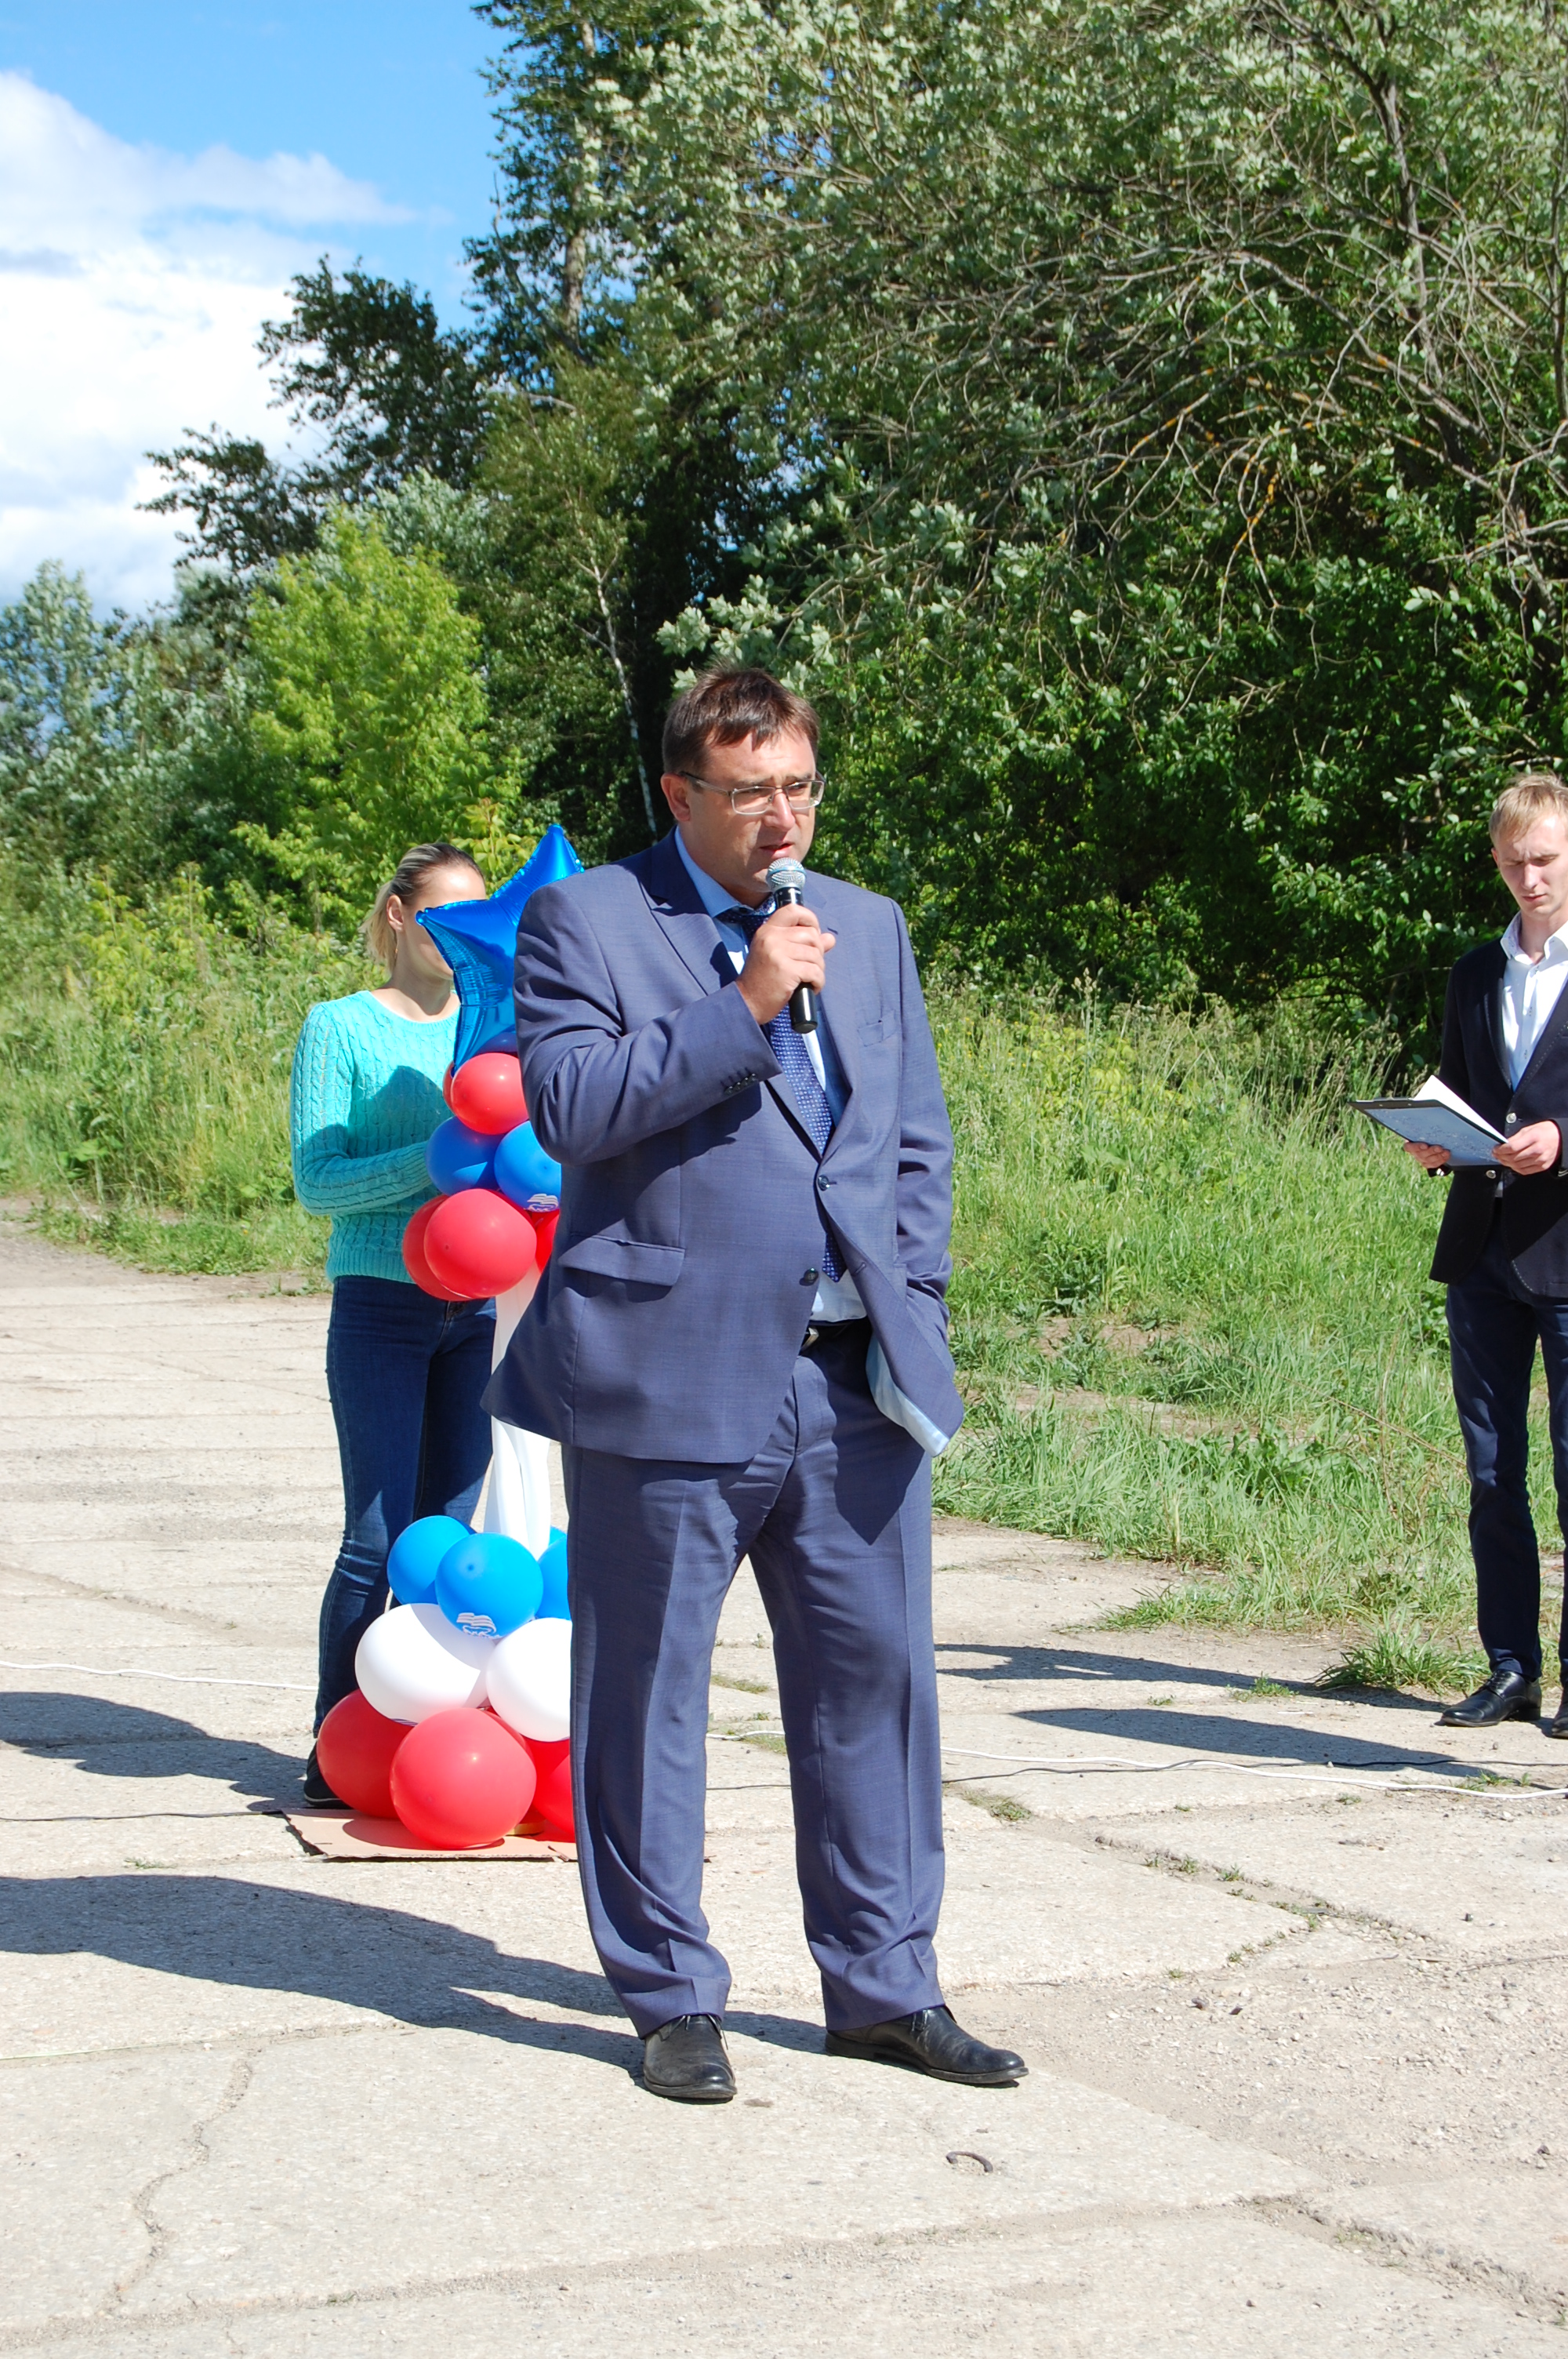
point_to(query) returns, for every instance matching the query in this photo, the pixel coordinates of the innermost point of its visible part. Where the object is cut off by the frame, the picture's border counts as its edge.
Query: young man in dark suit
(1502, 1249)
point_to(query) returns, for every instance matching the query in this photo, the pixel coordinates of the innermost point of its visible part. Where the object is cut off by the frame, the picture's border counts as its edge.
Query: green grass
(1391, 1657)
(144, 1052)
(1191, 1314)
(1190, 1311)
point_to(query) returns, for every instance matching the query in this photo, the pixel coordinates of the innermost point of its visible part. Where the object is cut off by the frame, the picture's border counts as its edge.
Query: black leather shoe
(317, 1793)
(687, 2059)
(931, 2042)
(1558, 1725)
(1506, 1695)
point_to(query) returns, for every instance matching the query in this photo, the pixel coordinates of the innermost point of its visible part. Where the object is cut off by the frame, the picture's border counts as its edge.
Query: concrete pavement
(1292, 2002)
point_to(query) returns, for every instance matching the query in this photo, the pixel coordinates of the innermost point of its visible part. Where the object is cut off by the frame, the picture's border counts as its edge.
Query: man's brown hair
(1534, 794)
(723, 708)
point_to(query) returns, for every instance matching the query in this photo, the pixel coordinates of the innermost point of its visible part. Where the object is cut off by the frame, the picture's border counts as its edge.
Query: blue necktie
(789, 1047)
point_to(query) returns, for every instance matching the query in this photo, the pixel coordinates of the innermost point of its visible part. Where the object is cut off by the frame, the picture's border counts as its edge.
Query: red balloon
(354, 1753)
(544, 1233)
(551, 1817)
(414, 1260)
(461, 1778)
(487, 1092)
(478, 1244)
(447, 1086)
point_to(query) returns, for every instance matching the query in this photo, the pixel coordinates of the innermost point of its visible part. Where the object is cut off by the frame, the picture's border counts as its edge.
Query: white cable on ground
(182, 1678)
(1073, 1763)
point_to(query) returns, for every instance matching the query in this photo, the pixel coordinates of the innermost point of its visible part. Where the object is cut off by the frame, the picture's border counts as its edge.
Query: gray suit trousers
(835, 1514)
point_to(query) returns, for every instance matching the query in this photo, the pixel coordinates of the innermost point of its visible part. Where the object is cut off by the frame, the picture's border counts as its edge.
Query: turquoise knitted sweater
(364, 1098)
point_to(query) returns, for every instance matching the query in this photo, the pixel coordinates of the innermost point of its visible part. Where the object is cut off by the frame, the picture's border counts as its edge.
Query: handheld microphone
(786, 883)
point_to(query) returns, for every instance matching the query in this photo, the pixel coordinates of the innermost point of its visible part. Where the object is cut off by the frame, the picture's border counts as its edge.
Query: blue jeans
(1494, 1325)
(404, 1374)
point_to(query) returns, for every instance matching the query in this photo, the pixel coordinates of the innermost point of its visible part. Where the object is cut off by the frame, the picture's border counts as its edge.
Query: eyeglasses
(751, 802)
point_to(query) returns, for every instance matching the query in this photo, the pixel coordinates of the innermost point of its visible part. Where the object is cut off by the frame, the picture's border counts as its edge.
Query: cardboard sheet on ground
(345, 1834)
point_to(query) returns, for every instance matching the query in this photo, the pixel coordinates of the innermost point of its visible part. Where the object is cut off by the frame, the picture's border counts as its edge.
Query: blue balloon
(458, 1157)
(478, 941)
(553, 1606)
(416, 1552)
(521, 1168)
(489, 1585)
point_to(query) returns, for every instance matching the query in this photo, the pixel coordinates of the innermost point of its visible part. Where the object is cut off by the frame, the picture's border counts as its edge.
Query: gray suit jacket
(693, 1202)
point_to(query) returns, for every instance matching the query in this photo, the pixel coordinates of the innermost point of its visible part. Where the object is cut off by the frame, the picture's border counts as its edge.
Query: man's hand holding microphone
(789, 952)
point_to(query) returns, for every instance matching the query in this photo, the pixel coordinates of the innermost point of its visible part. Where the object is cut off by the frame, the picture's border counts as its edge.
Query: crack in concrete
(1307, 1906)
(60, 1585)
(1294, 2215)
(143, 2203)
(1401, 2248)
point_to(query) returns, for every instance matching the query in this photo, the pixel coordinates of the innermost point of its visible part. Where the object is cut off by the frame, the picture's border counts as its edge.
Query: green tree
(368, 718)
(391, 393)
(1171, 407)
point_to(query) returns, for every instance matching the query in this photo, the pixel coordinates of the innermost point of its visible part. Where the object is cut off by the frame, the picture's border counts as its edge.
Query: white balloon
(413, 1663)
(529, 1681)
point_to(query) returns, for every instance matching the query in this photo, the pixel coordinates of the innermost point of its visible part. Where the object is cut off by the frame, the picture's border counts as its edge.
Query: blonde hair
(420, 861)
(1534, 794)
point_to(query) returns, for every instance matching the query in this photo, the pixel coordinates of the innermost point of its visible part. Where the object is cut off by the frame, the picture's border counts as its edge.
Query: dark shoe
(932, 2042)
(1506, 1695)
(686, 2059)
(1559, 1725)
(317, 1793)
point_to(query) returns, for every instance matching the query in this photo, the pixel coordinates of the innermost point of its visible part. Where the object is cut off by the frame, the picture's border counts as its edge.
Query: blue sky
(164, 171)
(390, 90)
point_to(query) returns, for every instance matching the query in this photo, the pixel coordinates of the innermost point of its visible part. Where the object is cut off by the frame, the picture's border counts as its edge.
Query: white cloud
(132, 285)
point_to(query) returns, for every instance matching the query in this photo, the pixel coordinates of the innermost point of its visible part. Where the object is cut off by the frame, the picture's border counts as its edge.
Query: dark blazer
(693, 1201)
(1534, 1212)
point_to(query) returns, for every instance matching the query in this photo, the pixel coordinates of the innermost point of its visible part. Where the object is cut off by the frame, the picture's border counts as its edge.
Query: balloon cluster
(495, 1217)
(461, 1723)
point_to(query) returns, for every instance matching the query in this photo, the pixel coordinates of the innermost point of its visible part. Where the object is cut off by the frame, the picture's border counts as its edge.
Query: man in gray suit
(740, 1343)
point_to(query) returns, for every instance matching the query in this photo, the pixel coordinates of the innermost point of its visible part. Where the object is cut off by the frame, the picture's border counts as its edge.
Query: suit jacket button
(810, 1276)
(1513, 1117)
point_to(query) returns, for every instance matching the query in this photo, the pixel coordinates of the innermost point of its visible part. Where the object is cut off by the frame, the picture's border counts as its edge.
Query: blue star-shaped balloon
(478, 941)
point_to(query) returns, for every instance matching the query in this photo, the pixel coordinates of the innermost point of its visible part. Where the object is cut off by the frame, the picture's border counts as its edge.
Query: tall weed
(1190, 1309)
(1191, 1312)
(144, 1048)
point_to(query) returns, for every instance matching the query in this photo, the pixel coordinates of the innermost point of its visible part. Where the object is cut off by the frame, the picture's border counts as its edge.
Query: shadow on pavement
(254, 1936)
(258, 1936)
(109, 1739)
(1192, 1731)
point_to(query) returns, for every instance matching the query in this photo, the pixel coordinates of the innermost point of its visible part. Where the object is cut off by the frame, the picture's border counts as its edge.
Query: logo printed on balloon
(412, 1663)
(489, 1585)
(522, 1171)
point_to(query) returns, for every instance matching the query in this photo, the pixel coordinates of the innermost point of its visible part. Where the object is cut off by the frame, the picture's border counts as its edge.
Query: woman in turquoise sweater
(404, 1372)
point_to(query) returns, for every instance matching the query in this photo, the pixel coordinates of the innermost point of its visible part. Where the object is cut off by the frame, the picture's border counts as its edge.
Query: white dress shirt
(837, 1298)
(1531, 989)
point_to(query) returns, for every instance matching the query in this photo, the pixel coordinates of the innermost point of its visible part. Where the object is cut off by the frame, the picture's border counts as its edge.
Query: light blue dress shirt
(837, 1298)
